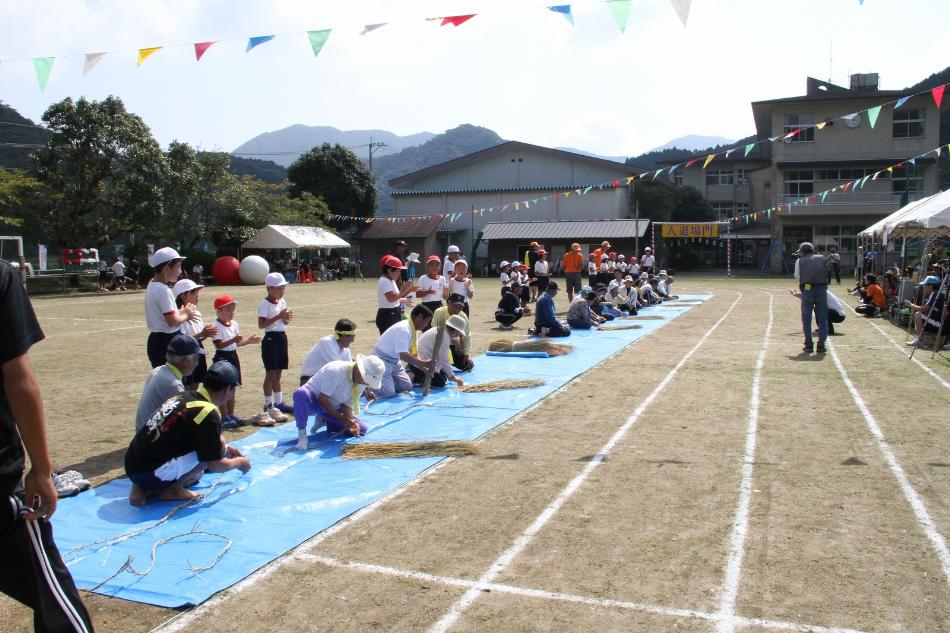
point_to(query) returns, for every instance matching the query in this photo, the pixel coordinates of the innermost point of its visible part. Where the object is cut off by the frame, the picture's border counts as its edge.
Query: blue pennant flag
(257, 41)
(565, 10)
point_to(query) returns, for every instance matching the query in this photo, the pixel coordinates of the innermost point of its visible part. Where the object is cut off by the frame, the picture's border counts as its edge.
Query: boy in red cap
(226, 341)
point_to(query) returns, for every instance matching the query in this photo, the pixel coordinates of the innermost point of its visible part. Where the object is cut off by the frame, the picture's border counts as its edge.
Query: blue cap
(932, 280)
(225, 372)
(184, 345)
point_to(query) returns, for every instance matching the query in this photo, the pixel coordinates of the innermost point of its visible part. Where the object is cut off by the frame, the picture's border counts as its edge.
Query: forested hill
(17, 134)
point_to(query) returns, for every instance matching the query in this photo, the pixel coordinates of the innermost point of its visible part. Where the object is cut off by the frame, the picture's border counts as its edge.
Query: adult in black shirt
(509, 308)
(31, 568)
(182, 439)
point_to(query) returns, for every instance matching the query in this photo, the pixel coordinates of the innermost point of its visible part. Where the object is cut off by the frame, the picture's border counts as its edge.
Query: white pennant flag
(682, 9)
(91, 60)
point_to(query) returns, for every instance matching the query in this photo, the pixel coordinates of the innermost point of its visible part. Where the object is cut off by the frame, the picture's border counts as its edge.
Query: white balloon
(253, 269)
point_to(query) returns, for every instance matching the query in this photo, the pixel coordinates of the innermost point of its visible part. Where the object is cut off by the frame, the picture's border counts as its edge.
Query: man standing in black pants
(31, 569)
(834, 265)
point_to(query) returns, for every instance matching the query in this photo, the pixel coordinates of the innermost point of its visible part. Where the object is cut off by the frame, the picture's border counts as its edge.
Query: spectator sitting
(873, 297)
(509, 307)
(927, 317)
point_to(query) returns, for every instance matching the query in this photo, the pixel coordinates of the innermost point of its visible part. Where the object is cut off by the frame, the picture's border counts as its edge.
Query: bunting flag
(873, 113)
(709, 159)
(201, 48)
(821, 125)
(145, 53)
(457, 20)
(682, 9)
(901, 102)
(91, 60)
(748, 148)
(318, 39)
(938, 95)
(565, 10)
(254, 42)
(691, 163)
(620, 9)
(43, 66)
(369, 28)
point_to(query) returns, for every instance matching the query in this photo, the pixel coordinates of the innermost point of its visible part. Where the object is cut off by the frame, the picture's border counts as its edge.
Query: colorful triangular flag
(145, 53)
(682, 9)
(709, 159)
(620, 9)
(254, 42)
(201, 48)
(318, 39)
(872, 115)
(43, 66)
(91, 60)
(938, 95)
(821, 125)
(565, 10)
(901, 102)
(369, 28)
(748, 148)
(457, 20)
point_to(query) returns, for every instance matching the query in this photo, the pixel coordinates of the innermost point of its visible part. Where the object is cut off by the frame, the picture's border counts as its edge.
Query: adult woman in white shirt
(388, 293)
(162, 316)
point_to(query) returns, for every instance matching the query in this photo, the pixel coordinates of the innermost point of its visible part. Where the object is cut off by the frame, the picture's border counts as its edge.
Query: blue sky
(516, 68)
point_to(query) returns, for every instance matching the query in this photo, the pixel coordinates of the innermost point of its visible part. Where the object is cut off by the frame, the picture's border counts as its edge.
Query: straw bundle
(531, 345)
(380, 450)
(628, 326)
(499, 385)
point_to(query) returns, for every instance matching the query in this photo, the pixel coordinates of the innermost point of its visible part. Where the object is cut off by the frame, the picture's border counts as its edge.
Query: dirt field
(708, 478)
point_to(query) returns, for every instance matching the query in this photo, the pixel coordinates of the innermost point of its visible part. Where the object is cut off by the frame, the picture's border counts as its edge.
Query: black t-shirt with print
(20, 331)
(176, 429)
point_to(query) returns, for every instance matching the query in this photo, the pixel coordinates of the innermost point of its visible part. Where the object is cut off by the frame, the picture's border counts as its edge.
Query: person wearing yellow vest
(182, 439)
(332, 395)
(399, 344)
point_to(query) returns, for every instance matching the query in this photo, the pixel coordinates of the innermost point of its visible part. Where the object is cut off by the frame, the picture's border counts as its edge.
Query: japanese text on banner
(690, 230)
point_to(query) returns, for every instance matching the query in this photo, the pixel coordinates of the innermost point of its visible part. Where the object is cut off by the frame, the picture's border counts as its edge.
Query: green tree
(337, 175)
(103, 169)
(663, 204)
(19, 196)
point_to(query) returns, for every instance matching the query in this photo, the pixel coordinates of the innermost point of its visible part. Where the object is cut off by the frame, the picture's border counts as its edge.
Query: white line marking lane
(740, 526)
(506, 558)
(905, 351)
(916, 503)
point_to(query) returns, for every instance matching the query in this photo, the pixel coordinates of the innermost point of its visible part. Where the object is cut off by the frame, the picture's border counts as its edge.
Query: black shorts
(198, 375)
(157, 347)
(231, 357)
(432, 305)
(387, 317)
(274, 351)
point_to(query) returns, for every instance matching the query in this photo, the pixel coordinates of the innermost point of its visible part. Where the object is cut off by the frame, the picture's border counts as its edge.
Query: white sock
(278, 397)
(268, 401)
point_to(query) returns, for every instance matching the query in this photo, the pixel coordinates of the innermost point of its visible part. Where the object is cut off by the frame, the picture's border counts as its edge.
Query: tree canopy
(337, 175)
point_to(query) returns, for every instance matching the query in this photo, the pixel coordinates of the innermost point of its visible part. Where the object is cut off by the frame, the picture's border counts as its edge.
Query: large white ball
(253, 269)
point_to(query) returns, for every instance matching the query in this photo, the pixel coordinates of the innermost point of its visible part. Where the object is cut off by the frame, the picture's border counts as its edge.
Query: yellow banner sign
(690, 230)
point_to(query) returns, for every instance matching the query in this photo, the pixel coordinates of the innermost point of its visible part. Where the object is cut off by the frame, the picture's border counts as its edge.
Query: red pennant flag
(201, 48)
(938, 95)
(691, 163)
(615, 183)
(457, 20)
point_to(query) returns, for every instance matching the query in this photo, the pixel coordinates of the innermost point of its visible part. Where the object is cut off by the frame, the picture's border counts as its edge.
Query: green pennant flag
(872, 115)
(318, 39)
(748, 148)
(43, 66)
(621, 12)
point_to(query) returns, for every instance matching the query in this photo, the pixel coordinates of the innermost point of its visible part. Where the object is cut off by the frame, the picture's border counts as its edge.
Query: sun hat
(392, 261)
(223, 300)
(662, 273)
(275, 280)
(162, 255)
(185, 285)
(605, 243)
(184, 345)
(372, 369)
(575, 246)
(453, 249)
(456, 322)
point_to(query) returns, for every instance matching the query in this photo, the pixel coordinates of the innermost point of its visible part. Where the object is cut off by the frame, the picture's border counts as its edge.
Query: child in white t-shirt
(273, 315)
(433, 287)
(226, 341)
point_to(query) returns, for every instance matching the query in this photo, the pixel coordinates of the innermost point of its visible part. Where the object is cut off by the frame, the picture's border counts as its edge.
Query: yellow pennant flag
(145, 53)
(821, 125)
(709, 159)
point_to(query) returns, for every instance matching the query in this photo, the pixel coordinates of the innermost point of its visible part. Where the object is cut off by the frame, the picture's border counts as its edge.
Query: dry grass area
(708, 478)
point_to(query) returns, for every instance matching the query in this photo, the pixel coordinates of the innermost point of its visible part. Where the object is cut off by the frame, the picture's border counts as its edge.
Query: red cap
(392, 261)
(223, 300)
(542, 252)
(433, 258)
(612, 255)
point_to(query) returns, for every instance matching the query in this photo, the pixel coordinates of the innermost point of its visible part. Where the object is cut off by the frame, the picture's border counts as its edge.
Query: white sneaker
(276, 415)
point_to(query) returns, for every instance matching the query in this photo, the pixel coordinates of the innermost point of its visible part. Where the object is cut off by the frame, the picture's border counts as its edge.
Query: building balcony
(852, 198)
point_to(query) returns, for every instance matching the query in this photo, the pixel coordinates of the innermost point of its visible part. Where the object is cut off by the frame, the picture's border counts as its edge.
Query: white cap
(504, 263)
(372, 369)
(275, 280)
(644, 275)
(456, 322)
(648, 249)
(621, 256)
(453, 249)
(185, 285)
(662, 273)
(162, 255)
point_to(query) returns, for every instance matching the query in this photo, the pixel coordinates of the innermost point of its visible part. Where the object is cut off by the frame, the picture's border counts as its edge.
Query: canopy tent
(931, 218)
(282, 236)
(884, 226)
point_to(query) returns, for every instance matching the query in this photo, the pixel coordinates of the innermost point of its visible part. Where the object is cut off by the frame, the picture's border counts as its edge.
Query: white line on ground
(740, 525)
(47, 318)
(904, 352)
(562, 597)
(114, 329)
(503, 561)
(916, 503)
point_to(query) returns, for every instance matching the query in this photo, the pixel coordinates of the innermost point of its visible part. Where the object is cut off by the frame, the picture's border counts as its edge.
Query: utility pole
(372, 147)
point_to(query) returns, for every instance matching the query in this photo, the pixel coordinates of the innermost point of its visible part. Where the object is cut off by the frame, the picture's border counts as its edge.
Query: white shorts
(175, 469)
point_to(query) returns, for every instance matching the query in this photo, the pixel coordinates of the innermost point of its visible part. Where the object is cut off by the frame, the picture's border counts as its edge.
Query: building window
(742, 208)
(723, 210)
(906, 179)
(843, 174)
(803, 122)
(799, 183)
(742, 177)
(720, 177)
(909, 123)
(678, 178)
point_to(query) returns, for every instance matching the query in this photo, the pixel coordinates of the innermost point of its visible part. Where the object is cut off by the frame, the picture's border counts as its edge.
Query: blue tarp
(289, 496)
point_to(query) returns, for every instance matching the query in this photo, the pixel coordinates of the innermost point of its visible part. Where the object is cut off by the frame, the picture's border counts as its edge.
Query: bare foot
(177, 493)
(138, 496)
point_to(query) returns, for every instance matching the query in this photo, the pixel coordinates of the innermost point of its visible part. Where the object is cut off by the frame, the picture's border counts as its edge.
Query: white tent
(885, 226)
(282, 236)
(931, 218)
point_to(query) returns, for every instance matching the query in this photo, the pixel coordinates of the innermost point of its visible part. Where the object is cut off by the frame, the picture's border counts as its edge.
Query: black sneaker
(821, 349)
(808, 349)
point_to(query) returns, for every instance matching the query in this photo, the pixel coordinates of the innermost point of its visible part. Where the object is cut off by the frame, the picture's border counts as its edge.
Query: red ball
(226, 271)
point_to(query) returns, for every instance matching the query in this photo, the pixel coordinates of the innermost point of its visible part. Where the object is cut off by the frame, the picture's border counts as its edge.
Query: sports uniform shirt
(194, 325)
(268, 309)
(834, 305)
(427, 350)
(573, 261)
(185, 423)
(119, 269)
(324, 352)
(226, 333)
(159, 301)
(648, 261)
(448, 267)
(163, 383)
(438, 284)
(541, 268)
(386, 285)
(335, 381)
(460, 287)
(394, 341)
(20, 332)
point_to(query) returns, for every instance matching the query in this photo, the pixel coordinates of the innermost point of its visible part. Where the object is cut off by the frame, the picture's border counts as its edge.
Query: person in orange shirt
(600, 252)
(873, 296)
(573, 260)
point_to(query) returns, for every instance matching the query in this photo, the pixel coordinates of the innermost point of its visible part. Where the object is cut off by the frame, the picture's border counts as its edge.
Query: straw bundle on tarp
(627, 326)
(499, 385)
(380, 450)
(531, 345)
